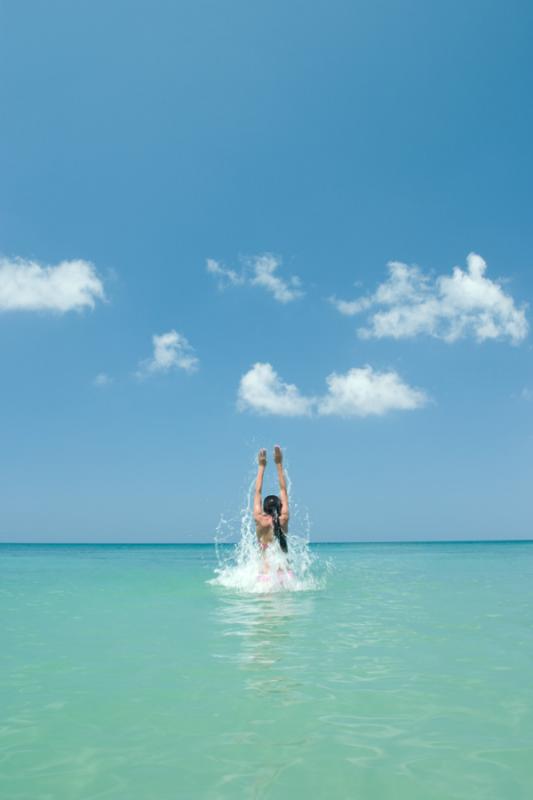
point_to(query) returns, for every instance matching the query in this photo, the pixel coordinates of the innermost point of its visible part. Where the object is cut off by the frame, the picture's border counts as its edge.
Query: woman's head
(272, 505)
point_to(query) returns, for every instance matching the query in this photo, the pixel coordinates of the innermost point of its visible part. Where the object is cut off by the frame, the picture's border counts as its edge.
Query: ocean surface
(382, 671)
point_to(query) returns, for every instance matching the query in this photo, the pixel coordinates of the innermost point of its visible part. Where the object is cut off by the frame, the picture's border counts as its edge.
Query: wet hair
(272, 507)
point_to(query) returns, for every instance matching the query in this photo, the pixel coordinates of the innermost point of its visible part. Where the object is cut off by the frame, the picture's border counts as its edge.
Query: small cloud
(225, 277)
(351, 307)
(262, 390)
(360, 392)
(171, 350)
(30, 286)
(264, 274)
(527, 394)
(262, 271)
(102, 379)
(448, 307)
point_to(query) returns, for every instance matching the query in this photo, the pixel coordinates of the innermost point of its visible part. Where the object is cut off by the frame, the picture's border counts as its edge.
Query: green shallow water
(125, 674)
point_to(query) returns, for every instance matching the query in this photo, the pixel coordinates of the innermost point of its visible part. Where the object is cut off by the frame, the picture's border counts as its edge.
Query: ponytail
(278, 532)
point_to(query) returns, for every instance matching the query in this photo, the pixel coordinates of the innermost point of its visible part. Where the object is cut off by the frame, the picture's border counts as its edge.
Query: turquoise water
(405, 673)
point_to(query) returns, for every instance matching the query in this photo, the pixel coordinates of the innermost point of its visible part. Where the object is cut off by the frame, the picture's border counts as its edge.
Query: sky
(227, 225)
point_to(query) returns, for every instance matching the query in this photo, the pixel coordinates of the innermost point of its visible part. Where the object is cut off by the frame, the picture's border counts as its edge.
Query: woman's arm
(258, 501)
(284, 497)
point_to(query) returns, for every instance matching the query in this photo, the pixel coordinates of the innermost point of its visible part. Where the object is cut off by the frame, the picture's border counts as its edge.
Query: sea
(361, 671)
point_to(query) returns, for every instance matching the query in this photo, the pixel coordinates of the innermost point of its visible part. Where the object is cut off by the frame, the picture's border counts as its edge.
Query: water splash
(242, 566)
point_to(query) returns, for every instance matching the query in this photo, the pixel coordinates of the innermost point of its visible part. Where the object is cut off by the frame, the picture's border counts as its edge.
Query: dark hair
(272, 507)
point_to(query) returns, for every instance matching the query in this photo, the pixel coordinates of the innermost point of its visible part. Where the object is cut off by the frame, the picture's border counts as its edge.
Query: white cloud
(30, 286)
(449, 307)
(359, 392)
(527, 394)
(351, 307)
(225, 277)
(259, 271)
(102, 379)
(170, 350)
(264, 269)
(262, 390)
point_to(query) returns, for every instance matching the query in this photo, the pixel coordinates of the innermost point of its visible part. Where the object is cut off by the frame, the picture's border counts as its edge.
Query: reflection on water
(267, 631)
(267, 625)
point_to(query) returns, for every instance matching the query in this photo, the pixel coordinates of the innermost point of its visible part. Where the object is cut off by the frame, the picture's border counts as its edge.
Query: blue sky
(282, 141)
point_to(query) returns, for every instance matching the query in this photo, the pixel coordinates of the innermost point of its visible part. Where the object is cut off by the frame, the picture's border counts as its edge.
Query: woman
(272, 515)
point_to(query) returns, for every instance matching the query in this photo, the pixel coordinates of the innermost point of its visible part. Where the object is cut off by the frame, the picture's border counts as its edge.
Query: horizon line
(212, 543)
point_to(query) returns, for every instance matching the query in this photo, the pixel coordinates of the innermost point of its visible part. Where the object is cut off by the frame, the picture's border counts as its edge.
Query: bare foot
(278, 455)
(262, 457)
